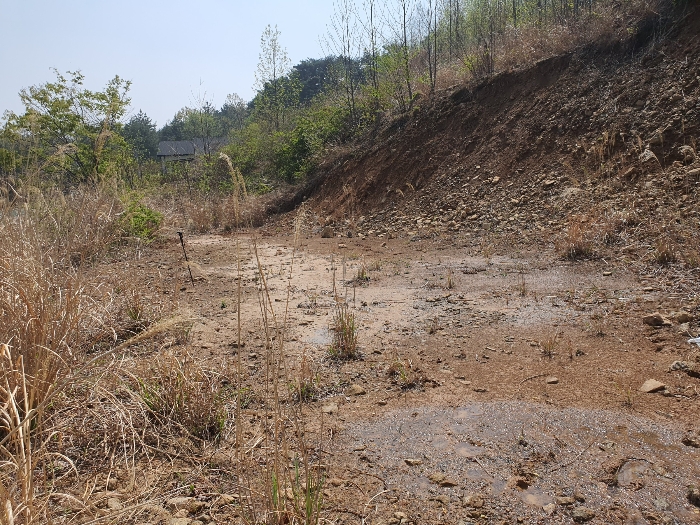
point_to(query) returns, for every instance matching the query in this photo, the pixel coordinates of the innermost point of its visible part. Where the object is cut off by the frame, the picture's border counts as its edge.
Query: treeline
(382, 58)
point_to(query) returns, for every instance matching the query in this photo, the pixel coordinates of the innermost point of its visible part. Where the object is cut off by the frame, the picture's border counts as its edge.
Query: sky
(175, 53)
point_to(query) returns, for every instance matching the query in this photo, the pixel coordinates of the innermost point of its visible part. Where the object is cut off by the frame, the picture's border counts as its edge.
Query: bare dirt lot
(487, 388)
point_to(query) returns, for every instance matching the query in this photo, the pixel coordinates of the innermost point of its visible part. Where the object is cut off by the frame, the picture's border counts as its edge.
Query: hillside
(606, 133)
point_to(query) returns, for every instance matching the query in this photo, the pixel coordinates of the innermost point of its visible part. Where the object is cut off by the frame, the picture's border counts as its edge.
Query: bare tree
(273, 65)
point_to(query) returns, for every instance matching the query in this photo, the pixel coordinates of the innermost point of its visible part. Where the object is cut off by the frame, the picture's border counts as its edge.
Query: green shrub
(140, 220)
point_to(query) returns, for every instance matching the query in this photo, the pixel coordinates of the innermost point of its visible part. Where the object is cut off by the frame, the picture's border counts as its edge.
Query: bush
(141, 221)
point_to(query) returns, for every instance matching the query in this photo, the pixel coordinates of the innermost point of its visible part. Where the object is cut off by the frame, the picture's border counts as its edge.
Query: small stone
(413, 462)
(443, 498)
(578, 496)
(355, 390)
(182, 513)
(114, 504)
(196, 507)
(178, 502)
(656, 319)
(437, 477)
(549, 508)
(480, 389)
(552, 380)
(607, 274)
(400, 516)
(565, 501)
(651, 385)
(330, 408)
(583, 514)
(475, 501)
(336, 482)
(327, 232)
(112, 484)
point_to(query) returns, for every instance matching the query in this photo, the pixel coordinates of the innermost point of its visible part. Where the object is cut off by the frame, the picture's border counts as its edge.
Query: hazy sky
(174, 52)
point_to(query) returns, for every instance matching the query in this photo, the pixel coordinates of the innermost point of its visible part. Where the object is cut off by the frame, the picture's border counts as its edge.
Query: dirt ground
(489, 388)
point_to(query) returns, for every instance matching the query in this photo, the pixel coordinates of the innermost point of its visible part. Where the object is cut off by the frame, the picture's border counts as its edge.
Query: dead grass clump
(664, 252)
(179, 392)
(576, 243)
(344, 344)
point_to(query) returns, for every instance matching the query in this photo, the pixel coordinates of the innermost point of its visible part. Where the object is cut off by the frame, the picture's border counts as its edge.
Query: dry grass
(577, 241)
(344, 345)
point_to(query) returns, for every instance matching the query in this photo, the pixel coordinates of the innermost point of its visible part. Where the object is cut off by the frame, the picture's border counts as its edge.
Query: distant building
(186, 150)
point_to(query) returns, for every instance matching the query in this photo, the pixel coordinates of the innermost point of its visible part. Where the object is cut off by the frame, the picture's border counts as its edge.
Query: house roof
(176, 148)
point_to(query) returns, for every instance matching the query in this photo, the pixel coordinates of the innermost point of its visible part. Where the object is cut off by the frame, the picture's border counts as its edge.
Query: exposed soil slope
(609, 128)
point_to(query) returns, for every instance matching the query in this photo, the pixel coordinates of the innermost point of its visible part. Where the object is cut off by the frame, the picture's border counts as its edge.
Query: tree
(273, 66)
(69, 130)
(140, 133)
(233, 114)
(343, 40)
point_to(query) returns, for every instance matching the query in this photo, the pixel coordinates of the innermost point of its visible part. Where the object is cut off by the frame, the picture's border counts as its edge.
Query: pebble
(413, 462)
(656, 319)
(583, 514)
(552, 380)
(475, 501)
(178, 502)
(355, 390)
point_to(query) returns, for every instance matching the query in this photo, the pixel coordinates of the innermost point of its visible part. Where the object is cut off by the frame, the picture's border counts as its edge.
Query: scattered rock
(355, 390)
(330, 408)
(475, 501)
(413, 462)
(583, 514)
(565, 501)
(651, 385)
(327, 232)
(549, 509)
(440, 479)
(656, 319)
(552, 380)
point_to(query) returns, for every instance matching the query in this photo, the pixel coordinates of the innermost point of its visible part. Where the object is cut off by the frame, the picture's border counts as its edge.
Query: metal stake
(182, 242)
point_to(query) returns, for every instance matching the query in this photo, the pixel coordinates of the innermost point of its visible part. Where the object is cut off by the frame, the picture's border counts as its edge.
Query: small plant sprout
(549, 344)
